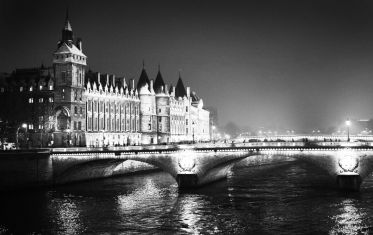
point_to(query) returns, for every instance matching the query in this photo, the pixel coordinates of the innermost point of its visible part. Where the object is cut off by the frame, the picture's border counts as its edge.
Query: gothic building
(68, 105)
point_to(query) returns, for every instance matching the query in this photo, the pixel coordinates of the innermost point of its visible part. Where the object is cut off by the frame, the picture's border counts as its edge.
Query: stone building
(66, 105)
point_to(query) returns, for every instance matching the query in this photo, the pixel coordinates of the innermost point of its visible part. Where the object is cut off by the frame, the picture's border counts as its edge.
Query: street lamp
(24, 125)
(348, 123)
(193, 130)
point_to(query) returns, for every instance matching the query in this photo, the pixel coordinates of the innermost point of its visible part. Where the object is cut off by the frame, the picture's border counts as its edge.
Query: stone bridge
(197, 166)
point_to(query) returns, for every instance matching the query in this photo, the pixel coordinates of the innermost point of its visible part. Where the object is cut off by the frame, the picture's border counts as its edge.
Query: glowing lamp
(348, 164)
(186, 163)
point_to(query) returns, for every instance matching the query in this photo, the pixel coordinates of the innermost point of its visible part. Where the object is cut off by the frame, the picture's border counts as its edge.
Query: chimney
(151, 86)
(188, 92)
(113, 77)
(79, 44)
(124, 82)
(166, 89)
(98, 78)
(132, 84)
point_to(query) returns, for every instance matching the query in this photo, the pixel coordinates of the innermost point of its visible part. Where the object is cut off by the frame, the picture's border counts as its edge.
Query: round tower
(162, 101)
(148, 121)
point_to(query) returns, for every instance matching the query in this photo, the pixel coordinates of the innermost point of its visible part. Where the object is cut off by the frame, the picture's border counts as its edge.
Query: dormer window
(51, 87)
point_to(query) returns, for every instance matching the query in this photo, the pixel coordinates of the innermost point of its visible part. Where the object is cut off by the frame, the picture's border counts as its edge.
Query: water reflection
(68, 216)
(350, 220)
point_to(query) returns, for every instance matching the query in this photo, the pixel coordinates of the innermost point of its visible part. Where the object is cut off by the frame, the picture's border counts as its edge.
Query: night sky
(290, 64)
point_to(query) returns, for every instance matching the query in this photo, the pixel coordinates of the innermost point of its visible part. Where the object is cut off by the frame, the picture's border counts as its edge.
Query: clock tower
(69, 65)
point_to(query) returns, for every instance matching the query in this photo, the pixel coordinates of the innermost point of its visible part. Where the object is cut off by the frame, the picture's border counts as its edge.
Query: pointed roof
(180, 88)
(159, 83)
(67, 22)
(144, 79)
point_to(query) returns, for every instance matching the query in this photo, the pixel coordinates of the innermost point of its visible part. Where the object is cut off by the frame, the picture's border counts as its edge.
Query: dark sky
(292, 64)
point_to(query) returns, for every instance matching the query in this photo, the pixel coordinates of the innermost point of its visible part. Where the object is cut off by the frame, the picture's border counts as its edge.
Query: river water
(276, 197)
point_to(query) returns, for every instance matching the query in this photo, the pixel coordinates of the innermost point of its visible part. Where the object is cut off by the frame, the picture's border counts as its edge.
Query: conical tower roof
(180, 88)
(159, 83)
(144, 79)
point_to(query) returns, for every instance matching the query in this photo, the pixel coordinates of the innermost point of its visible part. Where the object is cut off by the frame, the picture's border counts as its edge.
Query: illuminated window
(31, 126)
(41, 100)
(40, 87)
(31, 100)
(21, 89)
(40, 127)
(50, 99)
(30, 88)
(50, 87)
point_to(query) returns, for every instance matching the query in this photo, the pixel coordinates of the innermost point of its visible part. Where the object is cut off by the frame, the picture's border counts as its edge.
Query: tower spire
(67, 22)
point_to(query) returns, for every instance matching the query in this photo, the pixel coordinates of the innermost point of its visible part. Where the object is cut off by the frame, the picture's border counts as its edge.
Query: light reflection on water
(68, 216)
(350, 220)
(274, 198)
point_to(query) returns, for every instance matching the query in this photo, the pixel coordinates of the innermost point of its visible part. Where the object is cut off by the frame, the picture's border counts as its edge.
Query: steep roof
(180, 89)
(69, 49)
(144, 79)
(159, 83)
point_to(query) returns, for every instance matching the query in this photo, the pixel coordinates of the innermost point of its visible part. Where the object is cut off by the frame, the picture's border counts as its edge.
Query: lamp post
(348, 123)
(193, 130)
(24, 125)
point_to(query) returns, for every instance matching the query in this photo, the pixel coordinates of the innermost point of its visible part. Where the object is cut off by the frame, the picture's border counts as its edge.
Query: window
(76, 110)
(30, 88)
(159, 119)
(21, 89)
(159, 110)
(31, 100)
(31, 126)
(40, 87)
(50, 87)
(41, 100)
(50, 99)
(186, 109)
(186, 121)
(186, 131)
(81, 110)
(79, 125)
(149, 126)
(41, 118)
(75, 126)
(2, 89)
(63, 76)
(40, 127)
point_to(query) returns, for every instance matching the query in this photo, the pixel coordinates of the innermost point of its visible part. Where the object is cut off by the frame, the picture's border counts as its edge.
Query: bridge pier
(349, 182)
(187, 180)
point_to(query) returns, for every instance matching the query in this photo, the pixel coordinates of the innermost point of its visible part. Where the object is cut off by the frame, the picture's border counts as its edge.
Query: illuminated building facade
(66, 105)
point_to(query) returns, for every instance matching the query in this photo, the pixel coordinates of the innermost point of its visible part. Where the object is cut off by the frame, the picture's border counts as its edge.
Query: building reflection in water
(350, 220)
(68, 217)
(149, 198)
